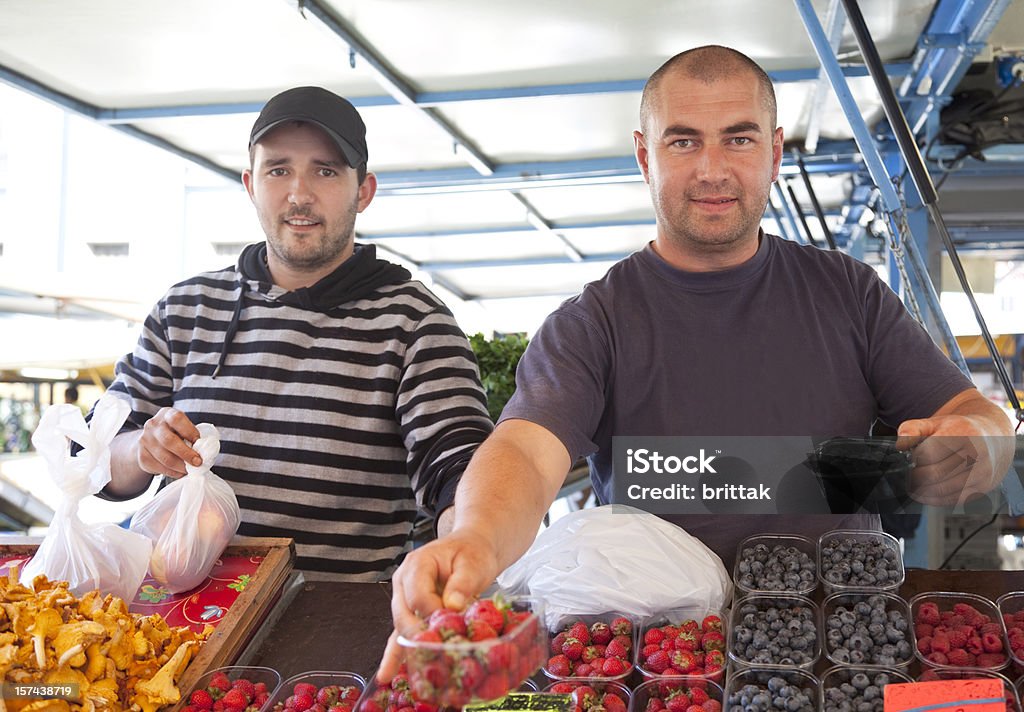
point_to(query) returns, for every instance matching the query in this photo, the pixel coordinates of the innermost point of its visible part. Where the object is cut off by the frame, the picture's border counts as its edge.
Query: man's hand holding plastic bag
(190, 521)
(87, 556)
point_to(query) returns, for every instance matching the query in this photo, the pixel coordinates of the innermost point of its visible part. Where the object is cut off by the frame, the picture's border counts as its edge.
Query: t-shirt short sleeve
(562, 380)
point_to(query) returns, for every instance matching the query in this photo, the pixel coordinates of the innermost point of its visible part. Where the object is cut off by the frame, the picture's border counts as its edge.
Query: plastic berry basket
(676, 617)
(758, 555)
(759, 615)
(565, 622)
(842, 682)
(319, 679)
(1010, 690)
(664, 687)
(1011, 608)
(838, 570)
(768, 681)
(601, 687)
(268, 676)
(453, 674)
(862, 611)
(945, 602)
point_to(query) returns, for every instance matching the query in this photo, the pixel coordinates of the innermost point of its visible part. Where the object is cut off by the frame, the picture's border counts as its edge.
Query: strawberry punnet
(600, 650)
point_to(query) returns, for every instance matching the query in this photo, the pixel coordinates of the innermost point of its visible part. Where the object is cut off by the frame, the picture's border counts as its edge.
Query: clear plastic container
(832, 561)
(456, 674)
(766, 680)
(601, 688)
(863, 475)
(1012, 697)
(1011, 607)
(607, 617)
(676, 617)
(662, 688)
(834, 679)
(852, 602)
(749, 569)
(319, 679)
(760, 608)
(945, 601)
(269, 677)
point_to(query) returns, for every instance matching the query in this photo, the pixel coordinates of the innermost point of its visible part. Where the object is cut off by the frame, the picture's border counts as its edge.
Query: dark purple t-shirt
(795, 341)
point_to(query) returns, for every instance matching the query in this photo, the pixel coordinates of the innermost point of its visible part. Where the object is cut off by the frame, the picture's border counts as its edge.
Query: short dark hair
(710, 63)
(71, 393)
(360, 169)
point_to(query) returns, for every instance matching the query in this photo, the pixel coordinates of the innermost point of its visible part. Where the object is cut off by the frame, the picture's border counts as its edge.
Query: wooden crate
(244, 616)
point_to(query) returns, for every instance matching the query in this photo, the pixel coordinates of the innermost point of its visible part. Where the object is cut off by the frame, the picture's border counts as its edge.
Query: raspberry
(940, 643)
(959, 657)
(924, 645)
(928, 613)
(938, 658)
(923, 630)
(957, 639)
(992, 660)
(992, 643)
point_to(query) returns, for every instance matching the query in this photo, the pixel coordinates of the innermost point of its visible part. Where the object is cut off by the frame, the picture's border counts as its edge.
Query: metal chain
(899, 219)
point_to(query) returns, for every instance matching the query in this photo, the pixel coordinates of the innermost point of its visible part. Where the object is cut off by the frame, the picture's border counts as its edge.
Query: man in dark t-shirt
(714, 328)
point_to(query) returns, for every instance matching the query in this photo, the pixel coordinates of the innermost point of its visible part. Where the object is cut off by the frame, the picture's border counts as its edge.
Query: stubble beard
(708, 234)
(312, 252)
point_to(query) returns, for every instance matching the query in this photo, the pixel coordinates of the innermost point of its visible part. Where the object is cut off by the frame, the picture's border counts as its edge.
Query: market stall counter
(344, 626)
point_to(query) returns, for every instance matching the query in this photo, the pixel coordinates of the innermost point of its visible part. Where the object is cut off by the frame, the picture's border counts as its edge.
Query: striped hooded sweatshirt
(342, 407)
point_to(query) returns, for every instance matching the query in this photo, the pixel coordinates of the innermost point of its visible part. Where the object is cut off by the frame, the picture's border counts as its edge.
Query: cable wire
(965, 540)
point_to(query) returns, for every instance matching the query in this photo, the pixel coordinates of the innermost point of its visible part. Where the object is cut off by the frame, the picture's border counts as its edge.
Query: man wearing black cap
(346, 396)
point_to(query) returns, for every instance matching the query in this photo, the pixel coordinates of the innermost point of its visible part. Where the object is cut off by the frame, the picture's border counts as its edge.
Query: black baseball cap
(335, 115)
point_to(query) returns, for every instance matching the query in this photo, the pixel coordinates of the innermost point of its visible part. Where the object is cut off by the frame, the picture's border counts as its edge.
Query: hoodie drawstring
(232, 326)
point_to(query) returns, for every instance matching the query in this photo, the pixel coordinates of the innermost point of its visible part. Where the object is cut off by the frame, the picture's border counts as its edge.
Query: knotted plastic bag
(88, 556)
(190, 521)
(617, 558)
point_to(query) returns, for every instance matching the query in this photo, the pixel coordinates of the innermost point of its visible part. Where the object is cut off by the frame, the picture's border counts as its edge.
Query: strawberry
(613, 667)
(711, 622)
(584, 696)
(600, 633)
(658, 662)
(246, 687)
(584, 670)
(698, 696)
(346, 707)
(626, 641)
(712, 706)
(494, 686)
(234, 699)
(327, 695)
(613, 703)
(580, 632)
(447, 623)
(654, 704)
(572, 649)
(427, 636)
(670, 631)
(299, 703)
(683, 660)
(714, 671)
(616, 649)
(622, 626)
(559, 666)
(590, 653)
(715, 657)
(649, 650)
(201, 699)
(304, 688)
(678, 701)
(486, 611)
(713, 640)
(218, 706)
(557, 642)
(468, 673)
(686, 640)
(654, 636)
(695, 708)
(188, 708)
(481, 630)
(563, 688)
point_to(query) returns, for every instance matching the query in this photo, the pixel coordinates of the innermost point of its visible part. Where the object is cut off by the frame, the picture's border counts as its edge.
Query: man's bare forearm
(126, 477)
(509, 485)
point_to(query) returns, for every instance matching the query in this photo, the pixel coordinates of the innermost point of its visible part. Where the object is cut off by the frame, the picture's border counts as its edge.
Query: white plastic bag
(617, 558)
(87, 556)
(190, 521)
